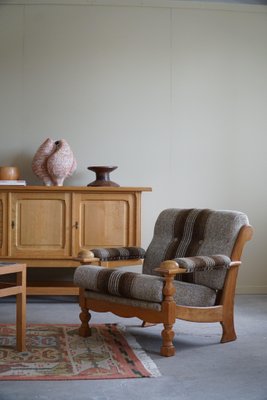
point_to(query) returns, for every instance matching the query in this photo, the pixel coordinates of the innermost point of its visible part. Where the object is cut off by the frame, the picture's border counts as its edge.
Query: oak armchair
(189, 272)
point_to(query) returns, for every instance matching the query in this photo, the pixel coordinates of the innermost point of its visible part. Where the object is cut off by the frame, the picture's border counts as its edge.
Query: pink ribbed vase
(54, 162)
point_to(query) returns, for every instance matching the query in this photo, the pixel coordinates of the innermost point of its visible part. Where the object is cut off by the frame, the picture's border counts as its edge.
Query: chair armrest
(118, 253)
(204, 263)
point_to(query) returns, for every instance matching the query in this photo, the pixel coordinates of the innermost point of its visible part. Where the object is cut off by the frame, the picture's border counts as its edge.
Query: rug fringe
(139, 352)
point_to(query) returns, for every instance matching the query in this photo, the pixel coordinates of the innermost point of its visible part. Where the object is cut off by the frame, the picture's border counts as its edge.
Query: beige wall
(172, 92)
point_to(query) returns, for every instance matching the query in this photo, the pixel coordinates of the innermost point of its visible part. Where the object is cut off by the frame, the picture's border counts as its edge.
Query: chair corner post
(168, 269)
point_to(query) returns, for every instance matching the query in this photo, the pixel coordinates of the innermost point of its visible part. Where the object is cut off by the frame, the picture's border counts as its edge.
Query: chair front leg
(167, 348)
(85, 316)
(168, 269)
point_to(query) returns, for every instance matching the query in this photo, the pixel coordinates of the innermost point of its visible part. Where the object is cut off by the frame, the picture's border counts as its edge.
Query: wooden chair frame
(222, 311)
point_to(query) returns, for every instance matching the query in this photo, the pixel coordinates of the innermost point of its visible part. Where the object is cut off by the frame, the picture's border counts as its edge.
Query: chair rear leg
(228, 330)
(227, 300)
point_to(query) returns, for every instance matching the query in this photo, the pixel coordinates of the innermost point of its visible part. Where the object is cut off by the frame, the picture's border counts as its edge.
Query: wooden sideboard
(47, 226)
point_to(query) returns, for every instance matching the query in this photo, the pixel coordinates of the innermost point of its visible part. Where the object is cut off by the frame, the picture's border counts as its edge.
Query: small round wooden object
(9, 173)
(85, 254)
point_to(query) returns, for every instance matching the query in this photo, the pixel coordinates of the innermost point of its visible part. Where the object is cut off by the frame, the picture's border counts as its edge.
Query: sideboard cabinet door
(106, 220)
(3, 224)
(40, 225)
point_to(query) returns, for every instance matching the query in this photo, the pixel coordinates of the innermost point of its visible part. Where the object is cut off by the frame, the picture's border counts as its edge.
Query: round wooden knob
(86, 254)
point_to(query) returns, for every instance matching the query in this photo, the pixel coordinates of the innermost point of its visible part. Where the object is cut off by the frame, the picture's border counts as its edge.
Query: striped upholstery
(118, 253)
(203, 263)
(119, 283)
(181, 233)
(137, 289)
(200, 240)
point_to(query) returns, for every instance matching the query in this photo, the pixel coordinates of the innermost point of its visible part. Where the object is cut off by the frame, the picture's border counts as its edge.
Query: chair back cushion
(194, 232)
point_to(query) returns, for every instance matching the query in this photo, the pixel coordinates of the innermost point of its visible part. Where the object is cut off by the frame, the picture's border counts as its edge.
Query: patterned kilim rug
(57, 352)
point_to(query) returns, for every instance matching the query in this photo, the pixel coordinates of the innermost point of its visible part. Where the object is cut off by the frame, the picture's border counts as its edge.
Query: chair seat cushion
(147, 288)
(119, 283)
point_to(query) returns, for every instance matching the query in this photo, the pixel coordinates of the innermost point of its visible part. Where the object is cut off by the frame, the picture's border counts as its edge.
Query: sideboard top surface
(74, 188)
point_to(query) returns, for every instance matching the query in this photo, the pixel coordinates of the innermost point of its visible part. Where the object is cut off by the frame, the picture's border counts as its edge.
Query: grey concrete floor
(201, 369)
